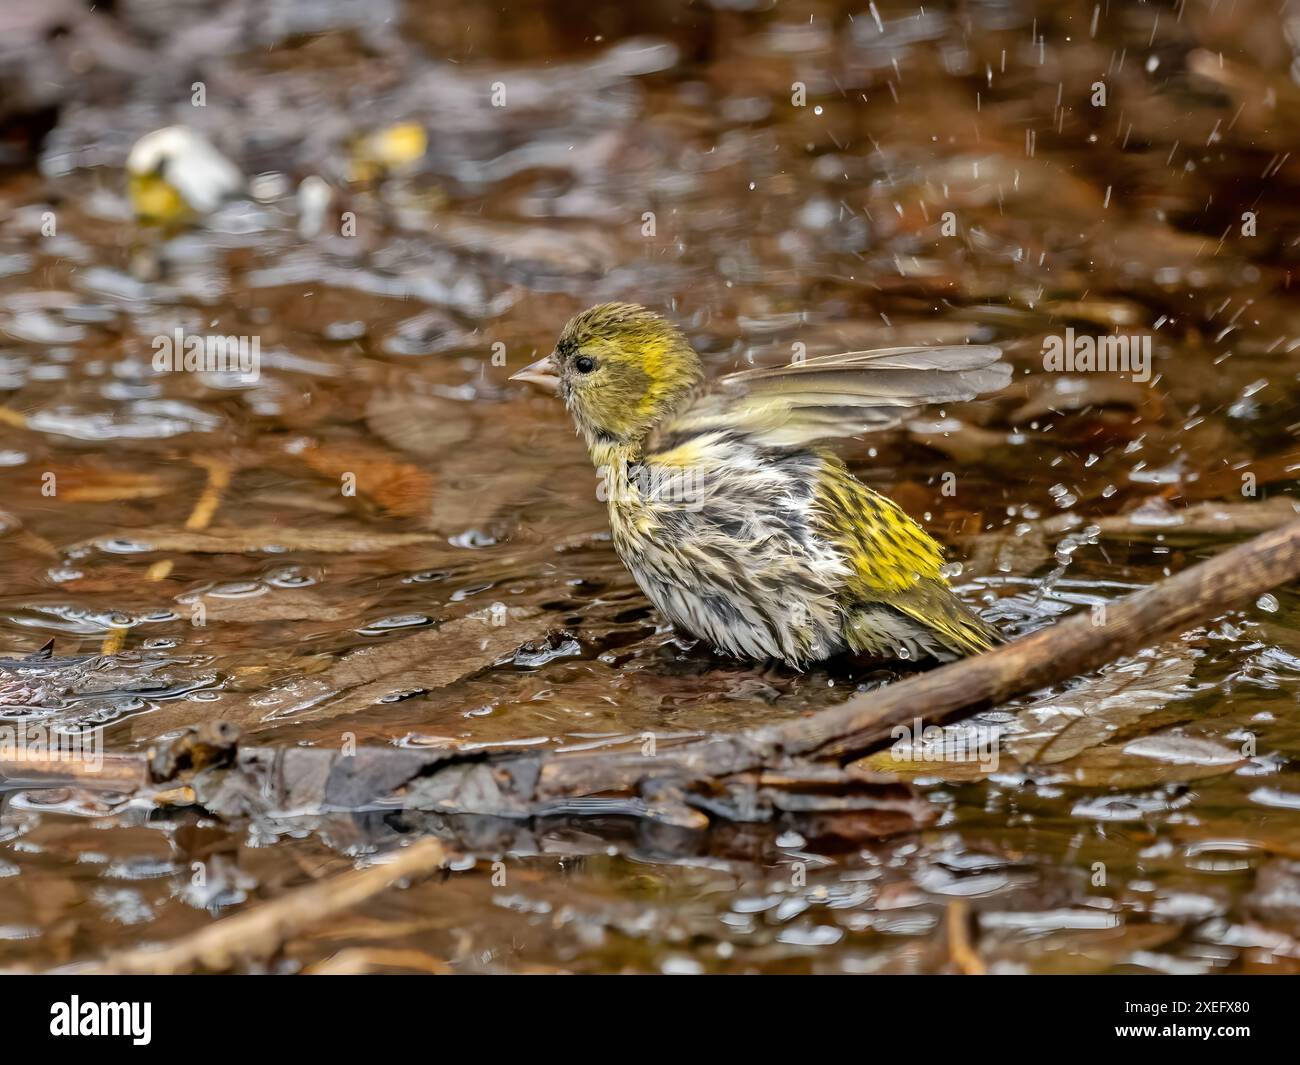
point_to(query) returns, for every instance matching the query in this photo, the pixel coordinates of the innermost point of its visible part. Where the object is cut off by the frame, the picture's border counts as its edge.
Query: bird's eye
(584, 364)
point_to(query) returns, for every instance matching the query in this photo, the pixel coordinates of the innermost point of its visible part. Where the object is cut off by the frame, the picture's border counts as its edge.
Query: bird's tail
(927, 619)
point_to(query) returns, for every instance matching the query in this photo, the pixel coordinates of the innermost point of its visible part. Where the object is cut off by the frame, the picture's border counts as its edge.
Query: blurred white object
(268, 187)
(314, 196)
(188, 162)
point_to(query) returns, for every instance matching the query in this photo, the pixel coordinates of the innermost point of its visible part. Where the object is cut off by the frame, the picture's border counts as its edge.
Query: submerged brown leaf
(398, 667)
(398, 487)
(275, 604)
(1070, 732)
(1019, 549)
(1055, 728)
(423, 425)
(1163, 758)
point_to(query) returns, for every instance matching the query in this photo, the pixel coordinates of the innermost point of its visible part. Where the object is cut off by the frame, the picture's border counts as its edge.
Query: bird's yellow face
(620, 369)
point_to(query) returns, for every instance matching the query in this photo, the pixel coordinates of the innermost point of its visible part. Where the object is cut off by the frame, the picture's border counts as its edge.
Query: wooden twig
(263, 929)
(60, 768)
(357, 960)
(960, 950)
(218, 480)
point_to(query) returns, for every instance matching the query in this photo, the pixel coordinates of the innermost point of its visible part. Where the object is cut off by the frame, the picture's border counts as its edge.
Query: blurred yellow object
(176, 175)
(155, 202)
(376, 154)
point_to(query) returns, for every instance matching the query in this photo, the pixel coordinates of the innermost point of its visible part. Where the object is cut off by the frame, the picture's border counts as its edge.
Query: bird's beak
(541, 373)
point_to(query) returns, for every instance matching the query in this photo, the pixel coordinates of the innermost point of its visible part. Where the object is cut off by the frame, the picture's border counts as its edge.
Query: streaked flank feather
(737, 525)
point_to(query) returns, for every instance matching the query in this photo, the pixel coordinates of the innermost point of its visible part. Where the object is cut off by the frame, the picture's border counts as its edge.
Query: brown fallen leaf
(424, 425)
(1067, 731)
(16, 535)
(1073, 950)
(1268, 101)
(1054, 728)
(274, 604)
(1163, 758)
(423, 661)
(1020, 549)
(1224, 483)
(398, 487)
(285, 499)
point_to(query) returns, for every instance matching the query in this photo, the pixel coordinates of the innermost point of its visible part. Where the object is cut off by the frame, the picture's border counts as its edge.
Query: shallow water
(656, 156)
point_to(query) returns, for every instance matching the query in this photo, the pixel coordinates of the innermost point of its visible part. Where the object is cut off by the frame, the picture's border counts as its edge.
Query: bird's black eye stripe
(584, 364)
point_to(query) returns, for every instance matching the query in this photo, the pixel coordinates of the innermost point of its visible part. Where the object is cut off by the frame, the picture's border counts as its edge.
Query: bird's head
(621, 370)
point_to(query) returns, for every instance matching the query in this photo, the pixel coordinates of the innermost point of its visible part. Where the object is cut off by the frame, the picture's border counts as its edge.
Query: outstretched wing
(839, 395)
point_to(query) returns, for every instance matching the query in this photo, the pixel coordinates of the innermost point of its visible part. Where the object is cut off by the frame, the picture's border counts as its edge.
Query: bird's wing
(839, 395)
(893, 563)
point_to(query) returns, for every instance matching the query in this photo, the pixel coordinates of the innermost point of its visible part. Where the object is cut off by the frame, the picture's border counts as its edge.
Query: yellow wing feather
(894, 563)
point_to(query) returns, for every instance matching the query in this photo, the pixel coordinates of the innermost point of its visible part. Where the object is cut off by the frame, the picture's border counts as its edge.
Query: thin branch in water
(262, 930)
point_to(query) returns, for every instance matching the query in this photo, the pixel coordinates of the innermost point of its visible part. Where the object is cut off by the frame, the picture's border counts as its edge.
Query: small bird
(736, 523)
(176, 176)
